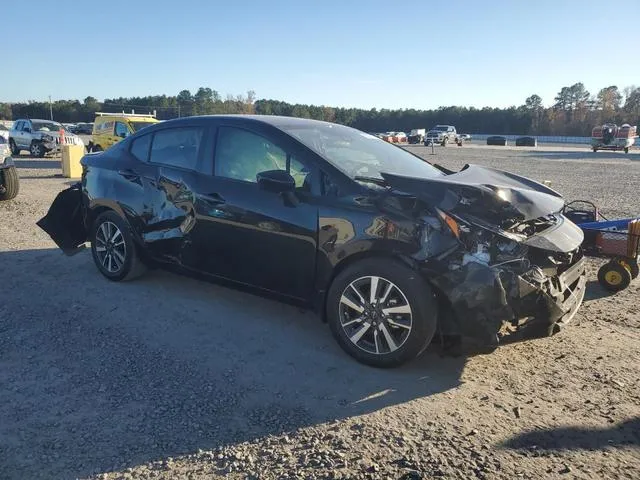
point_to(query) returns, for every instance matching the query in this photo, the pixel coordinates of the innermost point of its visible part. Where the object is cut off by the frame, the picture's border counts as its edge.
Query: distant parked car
(84, 128)
(4, 133)
(110, 128)
(38, 136)
(9, 182)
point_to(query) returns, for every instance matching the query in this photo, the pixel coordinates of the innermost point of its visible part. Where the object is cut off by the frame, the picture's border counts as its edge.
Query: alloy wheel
(110, 247)
(36, 150)
(375, 315)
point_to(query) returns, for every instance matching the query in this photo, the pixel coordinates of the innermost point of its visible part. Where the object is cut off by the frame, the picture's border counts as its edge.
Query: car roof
(275, 120)
(34, 120)
(126, 117)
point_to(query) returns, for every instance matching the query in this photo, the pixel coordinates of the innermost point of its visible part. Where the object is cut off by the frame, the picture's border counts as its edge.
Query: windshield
(46, 126)
(140, 125)
(440, 128)
(359, 154)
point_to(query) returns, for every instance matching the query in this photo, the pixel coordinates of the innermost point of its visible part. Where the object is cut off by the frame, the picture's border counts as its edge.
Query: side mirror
(276, 181)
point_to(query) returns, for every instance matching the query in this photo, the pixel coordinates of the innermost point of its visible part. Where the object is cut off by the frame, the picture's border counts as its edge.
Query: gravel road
(168, 377)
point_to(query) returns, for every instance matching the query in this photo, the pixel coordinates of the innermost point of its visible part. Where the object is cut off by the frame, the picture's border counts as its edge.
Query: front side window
(177, 147)
(18, 126)
(241, 155)
(121, 130)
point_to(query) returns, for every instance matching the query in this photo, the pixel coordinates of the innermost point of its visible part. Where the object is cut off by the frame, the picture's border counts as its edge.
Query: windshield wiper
(376, 181)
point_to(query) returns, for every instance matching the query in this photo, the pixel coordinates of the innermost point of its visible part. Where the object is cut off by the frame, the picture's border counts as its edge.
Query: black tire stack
(497, 141)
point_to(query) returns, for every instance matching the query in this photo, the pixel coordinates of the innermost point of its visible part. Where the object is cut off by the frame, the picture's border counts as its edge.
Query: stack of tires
(497, 141)
(526, 142)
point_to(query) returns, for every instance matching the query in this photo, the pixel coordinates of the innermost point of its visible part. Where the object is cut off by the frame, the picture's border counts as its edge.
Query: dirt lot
(168, 377)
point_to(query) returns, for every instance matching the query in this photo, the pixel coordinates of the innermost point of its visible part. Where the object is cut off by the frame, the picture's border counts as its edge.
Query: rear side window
(140, 148)
(177, 147)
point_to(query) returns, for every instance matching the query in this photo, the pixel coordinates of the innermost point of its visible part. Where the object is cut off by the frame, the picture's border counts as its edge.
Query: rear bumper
(65, 220)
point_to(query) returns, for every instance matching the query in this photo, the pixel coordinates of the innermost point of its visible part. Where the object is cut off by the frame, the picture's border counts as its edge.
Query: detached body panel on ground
(388, 248)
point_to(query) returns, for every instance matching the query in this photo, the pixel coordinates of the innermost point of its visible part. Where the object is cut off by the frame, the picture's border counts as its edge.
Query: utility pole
(50, 108)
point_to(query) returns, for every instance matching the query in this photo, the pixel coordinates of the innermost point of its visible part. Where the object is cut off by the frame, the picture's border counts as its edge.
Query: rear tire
(113, 249)
(15, 151)
(9, 183)
(393, 329)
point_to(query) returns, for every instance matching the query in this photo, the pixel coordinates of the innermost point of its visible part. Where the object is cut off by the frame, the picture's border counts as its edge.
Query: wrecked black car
(389, 249)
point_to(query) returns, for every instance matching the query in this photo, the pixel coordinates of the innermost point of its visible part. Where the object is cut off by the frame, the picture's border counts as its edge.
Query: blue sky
(360, 53)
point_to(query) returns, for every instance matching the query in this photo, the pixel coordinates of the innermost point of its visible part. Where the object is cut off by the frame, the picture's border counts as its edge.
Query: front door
(249, 235)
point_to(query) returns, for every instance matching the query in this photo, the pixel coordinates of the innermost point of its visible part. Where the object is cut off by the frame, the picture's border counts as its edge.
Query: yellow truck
(110, 128)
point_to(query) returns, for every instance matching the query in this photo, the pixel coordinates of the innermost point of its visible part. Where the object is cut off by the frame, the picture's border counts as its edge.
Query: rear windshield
(359, 154)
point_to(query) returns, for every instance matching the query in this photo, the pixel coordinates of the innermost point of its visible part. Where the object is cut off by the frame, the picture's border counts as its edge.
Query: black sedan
(386, 247)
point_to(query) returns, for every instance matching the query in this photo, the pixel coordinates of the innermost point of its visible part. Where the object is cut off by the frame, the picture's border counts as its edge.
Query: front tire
(9, 183)
(381, 312)
(444, 142)
(36, 150)
(113, 249)
(626, 149)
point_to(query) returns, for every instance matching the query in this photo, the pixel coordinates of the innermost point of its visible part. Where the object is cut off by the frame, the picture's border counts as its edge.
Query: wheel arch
(97, 208)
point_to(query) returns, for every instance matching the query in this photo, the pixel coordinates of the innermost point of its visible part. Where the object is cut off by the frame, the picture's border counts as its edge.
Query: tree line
(574, 111)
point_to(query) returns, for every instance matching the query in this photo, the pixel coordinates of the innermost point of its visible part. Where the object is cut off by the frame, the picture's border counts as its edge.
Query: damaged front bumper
(489, 303)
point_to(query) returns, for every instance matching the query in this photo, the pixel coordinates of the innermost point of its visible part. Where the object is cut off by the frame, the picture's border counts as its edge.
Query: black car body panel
(511, 255)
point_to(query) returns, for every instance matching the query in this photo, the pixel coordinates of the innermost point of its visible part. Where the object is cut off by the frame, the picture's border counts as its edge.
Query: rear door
(175, 155)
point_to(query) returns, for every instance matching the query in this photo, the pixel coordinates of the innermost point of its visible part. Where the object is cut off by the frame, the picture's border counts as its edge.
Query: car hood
(54, 133)
(497, 197)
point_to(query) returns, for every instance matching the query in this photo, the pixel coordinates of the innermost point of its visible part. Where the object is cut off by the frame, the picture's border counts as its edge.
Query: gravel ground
(167, 377)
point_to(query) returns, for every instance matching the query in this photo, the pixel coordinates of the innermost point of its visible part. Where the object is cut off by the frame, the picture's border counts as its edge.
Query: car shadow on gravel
(595, 291)
(100, 376)
(625, 434)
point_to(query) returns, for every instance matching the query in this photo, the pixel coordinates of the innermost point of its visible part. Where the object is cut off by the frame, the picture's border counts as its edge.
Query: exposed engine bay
(498, 283)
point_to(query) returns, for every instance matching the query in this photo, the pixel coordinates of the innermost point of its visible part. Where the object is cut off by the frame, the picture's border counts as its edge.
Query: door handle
(213, 198)
(128, 173)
